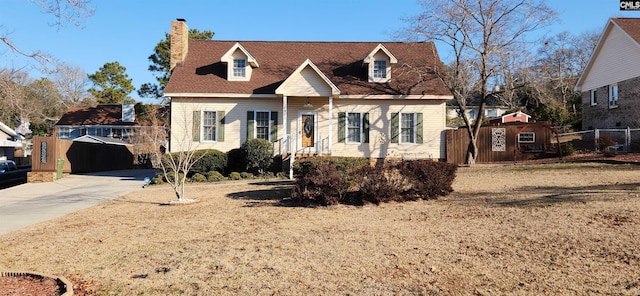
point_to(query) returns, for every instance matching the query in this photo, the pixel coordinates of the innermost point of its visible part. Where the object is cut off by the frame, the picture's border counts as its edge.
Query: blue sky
(127, 30)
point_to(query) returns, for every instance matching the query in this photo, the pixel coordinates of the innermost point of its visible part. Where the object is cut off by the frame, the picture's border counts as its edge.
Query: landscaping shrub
(428, 179)
(324, 185)
(158, 179)
(257, 154)
(235, 161)
(344, 165)
(276, 165)
(604, 141)
(567, 149)
(378, 184)
(197, 177)
(209, 160)
(235, 176)
(268, 175)
(245, 175)
(171, 175)
(320, 181)
(214, 176)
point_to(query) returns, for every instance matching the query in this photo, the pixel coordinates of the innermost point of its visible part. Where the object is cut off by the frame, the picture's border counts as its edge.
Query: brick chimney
(179, 42)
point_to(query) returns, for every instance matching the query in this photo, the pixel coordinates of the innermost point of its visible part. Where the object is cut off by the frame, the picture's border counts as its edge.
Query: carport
(53, 157)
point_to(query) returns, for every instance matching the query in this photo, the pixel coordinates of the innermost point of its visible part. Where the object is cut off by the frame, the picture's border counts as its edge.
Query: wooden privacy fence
(509, 142)
(79, 157)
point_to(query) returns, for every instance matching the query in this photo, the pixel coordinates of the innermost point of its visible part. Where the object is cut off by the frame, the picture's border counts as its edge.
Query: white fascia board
(228, 56)
(594, 53)
(392, 58)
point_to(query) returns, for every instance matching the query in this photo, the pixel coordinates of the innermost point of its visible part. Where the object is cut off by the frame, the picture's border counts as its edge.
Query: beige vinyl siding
(380, 145)
(235, 120)
(615, 61)
(308, 83)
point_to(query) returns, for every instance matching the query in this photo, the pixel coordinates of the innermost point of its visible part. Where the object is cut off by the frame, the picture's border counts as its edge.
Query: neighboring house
(610, 83)
(494, 109)
(366, 99)
(112, 121)
(517, 116)
(10, 140)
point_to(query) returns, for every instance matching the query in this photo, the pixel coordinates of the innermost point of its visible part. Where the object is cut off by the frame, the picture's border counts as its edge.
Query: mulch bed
(28, 285)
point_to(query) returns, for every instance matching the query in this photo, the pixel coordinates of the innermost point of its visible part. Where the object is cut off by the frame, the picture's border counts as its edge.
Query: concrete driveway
(31, 203)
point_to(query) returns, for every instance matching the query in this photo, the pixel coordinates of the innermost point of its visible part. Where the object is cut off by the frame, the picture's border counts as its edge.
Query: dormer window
(379, 63)
(240, 63)
(239, 68)
(380, 69)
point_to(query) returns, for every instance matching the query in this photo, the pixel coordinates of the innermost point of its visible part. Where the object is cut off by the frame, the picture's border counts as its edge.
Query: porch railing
(288, 145)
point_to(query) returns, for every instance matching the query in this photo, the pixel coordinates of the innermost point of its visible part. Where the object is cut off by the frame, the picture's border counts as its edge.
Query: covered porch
(307, 112)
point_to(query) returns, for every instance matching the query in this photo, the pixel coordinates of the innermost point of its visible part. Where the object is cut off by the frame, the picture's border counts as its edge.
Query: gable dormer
(240, 63)
(378, 64)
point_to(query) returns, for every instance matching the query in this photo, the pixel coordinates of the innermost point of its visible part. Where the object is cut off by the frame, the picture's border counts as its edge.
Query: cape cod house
(366, 99)
(610, 83)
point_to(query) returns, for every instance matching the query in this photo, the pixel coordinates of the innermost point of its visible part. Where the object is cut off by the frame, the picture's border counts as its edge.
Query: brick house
(610, 84)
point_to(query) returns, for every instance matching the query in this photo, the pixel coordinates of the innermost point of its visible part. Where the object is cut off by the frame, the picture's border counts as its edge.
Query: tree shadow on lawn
(275, 196)
(544, 196)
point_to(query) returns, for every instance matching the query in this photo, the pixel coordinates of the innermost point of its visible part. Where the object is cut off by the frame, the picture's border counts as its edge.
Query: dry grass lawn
(563, 229)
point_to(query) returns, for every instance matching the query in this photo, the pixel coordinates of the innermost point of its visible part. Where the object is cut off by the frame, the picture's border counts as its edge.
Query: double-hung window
(613, 96)
(239, 67)
(354, 127)
(594, 97)
(209, 125)
(380, 69)
(64, 133)
(407, 127)
(263, 127)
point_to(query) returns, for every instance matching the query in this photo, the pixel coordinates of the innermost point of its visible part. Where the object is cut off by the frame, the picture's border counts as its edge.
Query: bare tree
(176, 165)
(24, 101)
(13, 96)
(64, 11)
(477, 32)
(71, 81)
(561, 61)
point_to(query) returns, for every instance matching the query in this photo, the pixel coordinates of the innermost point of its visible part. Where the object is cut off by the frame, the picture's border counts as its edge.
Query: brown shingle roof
(629, 25)
(341, 62)
(99, 115)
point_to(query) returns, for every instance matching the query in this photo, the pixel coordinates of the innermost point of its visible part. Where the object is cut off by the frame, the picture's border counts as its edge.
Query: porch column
(330, 122)
(285, 122)
(285, 126)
